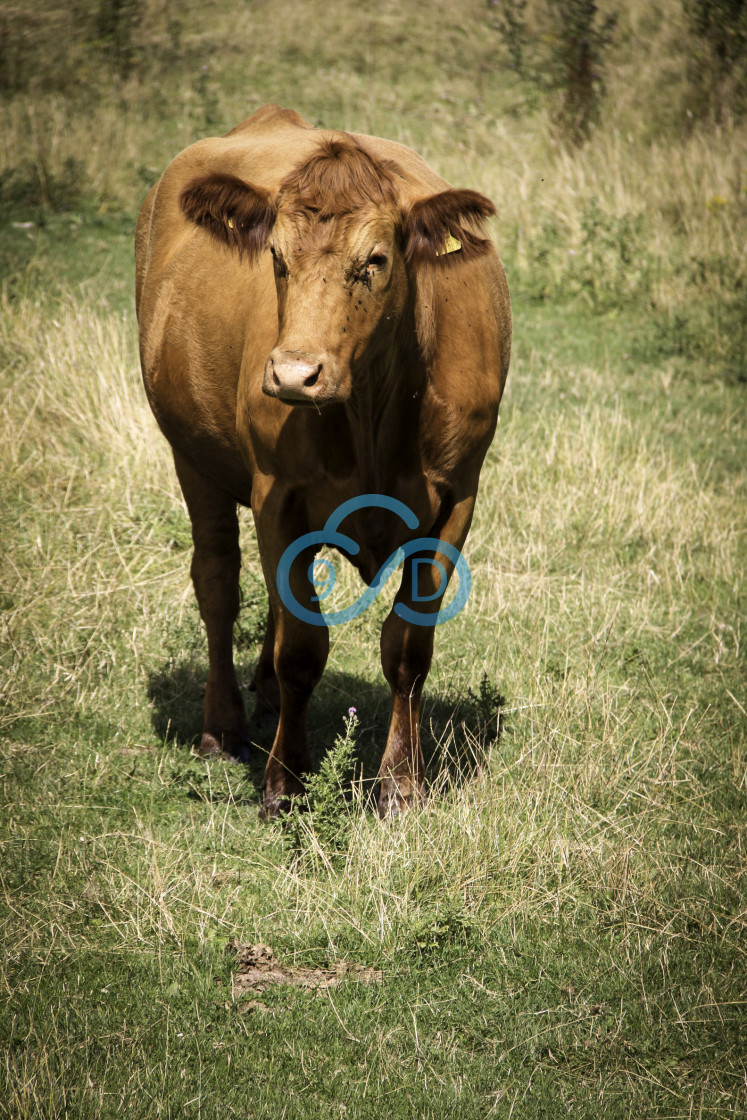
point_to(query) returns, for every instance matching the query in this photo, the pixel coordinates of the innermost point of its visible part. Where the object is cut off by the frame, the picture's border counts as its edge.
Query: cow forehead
(339, 178)
(342, 200)
(301, 232)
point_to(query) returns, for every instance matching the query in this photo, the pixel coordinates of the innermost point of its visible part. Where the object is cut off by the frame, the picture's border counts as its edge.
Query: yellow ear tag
(230, 223)
(451, 245)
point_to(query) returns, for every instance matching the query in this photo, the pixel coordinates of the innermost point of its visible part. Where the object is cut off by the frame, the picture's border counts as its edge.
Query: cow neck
(381, 411)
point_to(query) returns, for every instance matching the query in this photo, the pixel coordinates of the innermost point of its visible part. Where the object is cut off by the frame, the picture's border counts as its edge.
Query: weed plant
(562, 927)
(321, 824)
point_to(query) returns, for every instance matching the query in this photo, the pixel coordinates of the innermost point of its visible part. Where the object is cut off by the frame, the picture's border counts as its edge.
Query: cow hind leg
(265, 681)
(215, 575)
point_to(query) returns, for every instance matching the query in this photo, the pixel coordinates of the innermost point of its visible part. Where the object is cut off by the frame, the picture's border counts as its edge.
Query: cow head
(347, 252)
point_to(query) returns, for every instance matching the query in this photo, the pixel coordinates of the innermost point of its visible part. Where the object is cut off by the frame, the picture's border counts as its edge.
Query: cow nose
(293, 376)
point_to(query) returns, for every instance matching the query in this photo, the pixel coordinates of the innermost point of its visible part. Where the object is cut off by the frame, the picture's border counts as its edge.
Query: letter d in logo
(416, 596)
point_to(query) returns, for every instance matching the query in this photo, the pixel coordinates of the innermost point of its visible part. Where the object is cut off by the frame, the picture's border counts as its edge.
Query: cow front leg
(300, 648)
(300, 656)
(215, 574)
(406, 654)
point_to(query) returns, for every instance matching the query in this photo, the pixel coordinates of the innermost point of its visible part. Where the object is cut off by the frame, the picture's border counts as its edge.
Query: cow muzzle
(299, 378)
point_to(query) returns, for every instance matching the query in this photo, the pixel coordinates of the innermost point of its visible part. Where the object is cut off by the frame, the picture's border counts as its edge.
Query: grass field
(562, 930)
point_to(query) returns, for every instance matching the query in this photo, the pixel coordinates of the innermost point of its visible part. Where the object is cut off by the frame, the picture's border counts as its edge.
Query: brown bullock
(321, 317)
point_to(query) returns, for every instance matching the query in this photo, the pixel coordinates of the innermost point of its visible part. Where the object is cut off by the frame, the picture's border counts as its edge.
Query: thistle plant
(326, 791)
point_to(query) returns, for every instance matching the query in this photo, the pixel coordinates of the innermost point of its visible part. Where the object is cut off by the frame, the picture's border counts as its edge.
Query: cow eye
(377, 260)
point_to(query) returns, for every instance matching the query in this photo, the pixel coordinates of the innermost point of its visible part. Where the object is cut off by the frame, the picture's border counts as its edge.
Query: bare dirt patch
(258, 970)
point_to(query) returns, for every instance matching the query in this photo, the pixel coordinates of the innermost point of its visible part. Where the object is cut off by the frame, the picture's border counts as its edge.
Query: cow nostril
(313, 377)
(275, 377)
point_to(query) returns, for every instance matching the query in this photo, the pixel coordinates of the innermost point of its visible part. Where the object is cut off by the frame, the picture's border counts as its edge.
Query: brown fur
(425, 310)
(339, 179)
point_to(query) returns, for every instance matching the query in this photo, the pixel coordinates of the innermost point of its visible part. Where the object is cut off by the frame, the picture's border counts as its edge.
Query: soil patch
(258, 970)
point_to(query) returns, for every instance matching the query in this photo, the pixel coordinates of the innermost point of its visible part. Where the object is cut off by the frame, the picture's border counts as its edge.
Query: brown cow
(320, 317)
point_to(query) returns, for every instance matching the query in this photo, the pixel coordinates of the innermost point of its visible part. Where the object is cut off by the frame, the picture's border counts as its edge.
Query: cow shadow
(458, 730)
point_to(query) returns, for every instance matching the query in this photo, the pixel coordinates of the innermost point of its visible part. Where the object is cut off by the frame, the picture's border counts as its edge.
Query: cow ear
(237, 213)
(446, 223)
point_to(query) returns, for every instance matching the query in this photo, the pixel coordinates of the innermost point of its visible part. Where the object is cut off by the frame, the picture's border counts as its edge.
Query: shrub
(116, 23)
(718, 49)
(564, 55)
(321, 822)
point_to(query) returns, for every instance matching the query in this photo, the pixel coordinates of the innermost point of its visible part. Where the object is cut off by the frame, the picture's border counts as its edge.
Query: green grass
(562, 929)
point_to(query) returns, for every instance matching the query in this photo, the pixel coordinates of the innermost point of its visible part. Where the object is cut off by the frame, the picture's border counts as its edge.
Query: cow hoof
(276, 807)
(397, 798)
(230, 748)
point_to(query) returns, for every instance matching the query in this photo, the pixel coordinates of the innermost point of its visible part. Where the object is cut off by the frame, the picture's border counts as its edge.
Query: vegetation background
(562, 929)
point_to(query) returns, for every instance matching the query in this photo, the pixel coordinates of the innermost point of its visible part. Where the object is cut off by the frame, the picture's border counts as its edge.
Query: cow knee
(403, 677)
(405, 656)
(299, 670)
(215, 575)
(405, 672)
